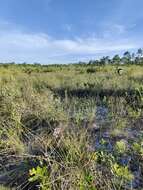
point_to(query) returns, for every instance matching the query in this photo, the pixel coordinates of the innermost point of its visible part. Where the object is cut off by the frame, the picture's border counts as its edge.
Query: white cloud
(19, 46)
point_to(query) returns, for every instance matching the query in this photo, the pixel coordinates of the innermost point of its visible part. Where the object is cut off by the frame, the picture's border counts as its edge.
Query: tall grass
(52, 137)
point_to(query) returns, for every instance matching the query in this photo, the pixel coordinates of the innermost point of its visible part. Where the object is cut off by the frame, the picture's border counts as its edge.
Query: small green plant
(120, 146)
(41, 175)
(85, 181)
(122, 172)
(138, 148)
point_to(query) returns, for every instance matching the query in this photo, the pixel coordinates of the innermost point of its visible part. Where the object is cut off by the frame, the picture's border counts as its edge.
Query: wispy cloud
(17, 45)
(112, 30)
(68, 27)
(119, 28)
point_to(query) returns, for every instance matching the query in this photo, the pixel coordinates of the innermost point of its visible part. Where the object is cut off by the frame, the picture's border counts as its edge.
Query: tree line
(127, 58)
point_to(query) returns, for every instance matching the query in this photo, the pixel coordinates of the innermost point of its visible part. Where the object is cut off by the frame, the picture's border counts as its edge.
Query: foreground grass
(53, 137)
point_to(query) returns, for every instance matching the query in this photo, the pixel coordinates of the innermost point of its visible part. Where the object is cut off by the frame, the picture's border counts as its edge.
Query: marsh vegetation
(71, 127)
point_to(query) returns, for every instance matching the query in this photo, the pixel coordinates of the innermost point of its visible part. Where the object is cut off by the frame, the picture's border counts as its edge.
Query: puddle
(101, 113)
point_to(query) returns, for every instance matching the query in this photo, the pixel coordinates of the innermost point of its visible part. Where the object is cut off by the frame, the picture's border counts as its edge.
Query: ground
(71, 127)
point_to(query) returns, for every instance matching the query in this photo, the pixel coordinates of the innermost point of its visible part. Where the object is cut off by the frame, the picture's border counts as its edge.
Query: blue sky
(62, 31)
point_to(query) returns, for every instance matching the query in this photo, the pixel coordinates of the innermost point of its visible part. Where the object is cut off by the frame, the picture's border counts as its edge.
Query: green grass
(55, 135)
(5, 188)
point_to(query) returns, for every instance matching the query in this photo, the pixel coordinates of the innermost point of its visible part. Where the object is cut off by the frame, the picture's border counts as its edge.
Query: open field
(71, 127)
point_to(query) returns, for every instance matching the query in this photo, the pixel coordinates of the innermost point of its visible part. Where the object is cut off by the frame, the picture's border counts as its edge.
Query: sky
(66, 31)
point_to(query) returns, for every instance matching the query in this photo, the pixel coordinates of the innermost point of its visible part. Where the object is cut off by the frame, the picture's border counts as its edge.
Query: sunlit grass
(58, 141)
